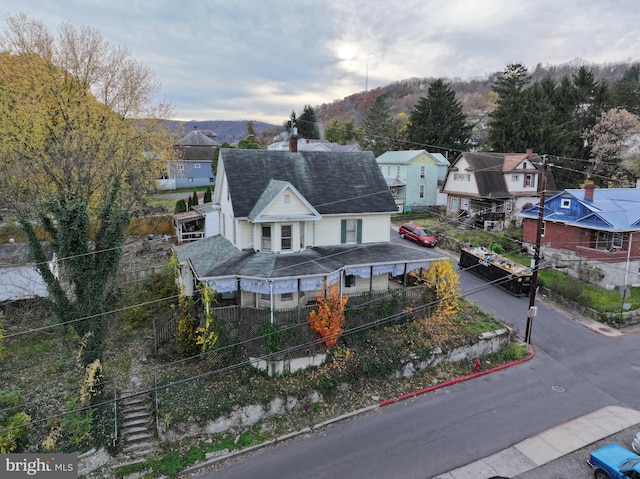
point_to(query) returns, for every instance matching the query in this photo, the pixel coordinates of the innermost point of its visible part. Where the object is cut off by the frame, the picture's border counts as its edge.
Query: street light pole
(536, 257)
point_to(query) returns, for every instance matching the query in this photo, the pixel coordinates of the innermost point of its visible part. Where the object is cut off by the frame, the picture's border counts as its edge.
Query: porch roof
(216, 257)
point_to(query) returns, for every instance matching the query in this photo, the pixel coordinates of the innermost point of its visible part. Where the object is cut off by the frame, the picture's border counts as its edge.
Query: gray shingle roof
(332, 182)
(217, 257)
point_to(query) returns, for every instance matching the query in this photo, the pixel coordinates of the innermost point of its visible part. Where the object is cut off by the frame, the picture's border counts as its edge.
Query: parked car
(417, 233)
(636, 443)
(614, 462)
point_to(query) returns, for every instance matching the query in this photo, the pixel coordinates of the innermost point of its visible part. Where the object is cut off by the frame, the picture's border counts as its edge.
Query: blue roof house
(593, 232)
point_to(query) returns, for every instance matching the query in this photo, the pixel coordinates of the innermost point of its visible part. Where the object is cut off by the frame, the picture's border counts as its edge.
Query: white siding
(294, 207)
(375, 229)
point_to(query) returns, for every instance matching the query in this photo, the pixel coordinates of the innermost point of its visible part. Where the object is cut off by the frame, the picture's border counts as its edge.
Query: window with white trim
(542, 228)
(196, 165)
(421, 193)
(423, 171)
(515, 177)
(285, 237)
(461, 176)
(179, 167)
(565, 203)
(528, 179)
(616, 241)
(287, 199)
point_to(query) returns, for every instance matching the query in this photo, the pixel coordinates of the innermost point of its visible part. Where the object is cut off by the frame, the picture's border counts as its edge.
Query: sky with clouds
(261, 59)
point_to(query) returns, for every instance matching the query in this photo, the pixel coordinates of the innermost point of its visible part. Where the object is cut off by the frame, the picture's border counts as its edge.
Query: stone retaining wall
(246, 416)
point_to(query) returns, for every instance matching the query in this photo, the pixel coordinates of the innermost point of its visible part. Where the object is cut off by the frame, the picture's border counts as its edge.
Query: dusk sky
(261, 59)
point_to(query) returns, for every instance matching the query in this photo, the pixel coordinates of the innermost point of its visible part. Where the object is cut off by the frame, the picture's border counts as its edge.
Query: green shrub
(170, 464)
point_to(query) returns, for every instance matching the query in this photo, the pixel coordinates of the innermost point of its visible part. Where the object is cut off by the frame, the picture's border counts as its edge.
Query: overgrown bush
(11, 418)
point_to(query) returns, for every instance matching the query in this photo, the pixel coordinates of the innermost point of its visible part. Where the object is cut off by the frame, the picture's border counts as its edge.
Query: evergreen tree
(291, 123)
(379, 128)
(207, 195)
(308, 124)
(626, 91)
(181, 206)
(507, 120)
(438, 120)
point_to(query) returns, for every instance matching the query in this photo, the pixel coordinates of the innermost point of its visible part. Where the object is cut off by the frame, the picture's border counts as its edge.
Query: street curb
(306, 430)
(457, 380)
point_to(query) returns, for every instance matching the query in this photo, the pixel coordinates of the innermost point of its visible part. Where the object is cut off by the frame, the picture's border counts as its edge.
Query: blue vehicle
(614, 462)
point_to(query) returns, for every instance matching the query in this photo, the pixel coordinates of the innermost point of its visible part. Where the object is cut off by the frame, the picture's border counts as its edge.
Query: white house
(287, 222)
(493, 187)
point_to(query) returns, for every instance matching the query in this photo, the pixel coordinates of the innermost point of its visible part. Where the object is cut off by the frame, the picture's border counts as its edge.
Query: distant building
(191, 167)
(414, 177)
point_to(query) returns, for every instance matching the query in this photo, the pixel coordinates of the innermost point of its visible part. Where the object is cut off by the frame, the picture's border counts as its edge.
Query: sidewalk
(549, 445)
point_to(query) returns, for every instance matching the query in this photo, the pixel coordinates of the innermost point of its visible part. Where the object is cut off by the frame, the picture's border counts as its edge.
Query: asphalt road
(575, 371)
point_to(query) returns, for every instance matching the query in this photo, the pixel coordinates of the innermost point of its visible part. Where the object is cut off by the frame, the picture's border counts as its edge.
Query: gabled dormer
(280, 219)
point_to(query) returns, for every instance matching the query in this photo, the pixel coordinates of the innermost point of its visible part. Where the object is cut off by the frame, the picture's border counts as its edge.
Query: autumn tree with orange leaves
(328, 319)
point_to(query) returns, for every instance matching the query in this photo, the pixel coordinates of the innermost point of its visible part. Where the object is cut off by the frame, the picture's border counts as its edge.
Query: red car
(418, 234)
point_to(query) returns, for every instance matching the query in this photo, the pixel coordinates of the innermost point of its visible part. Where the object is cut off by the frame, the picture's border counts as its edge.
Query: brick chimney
(529, 152)
(588, 191)
(293, 141)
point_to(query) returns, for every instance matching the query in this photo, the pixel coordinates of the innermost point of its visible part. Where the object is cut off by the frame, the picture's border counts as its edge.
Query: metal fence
(252, 332)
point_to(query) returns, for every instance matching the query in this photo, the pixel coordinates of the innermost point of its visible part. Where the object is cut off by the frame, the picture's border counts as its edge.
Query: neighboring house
(312, 145)
(18, 278)
(593, 232)
(488, 189)
(289, 222)
(414, 177)
(191, 166)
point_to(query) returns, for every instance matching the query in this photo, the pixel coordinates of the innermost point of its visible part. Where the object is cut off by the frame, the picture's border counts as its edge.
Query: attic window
(196, 165)
(287, 199)
(565, 203)
(461, 176)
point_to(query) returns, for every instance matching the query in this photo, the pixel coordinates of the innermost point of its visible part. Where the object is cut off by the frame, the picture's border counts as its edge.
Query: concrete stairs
(138, 425)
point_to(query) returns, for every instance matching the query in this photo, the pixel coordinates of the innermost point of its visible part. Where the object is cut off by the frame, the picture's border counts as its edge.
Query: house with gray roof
(287, 222)
(488, 189)
(592, 233)
(191, 165)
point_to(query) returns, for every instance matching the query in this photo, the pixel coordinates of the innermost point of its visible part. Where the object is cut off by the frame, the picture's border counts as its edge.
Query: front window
(515, 177)
(617, 240)
(266, 238)
(421, 194)
(285, 238)
(350, 281)
(350, 231)
(528, 180)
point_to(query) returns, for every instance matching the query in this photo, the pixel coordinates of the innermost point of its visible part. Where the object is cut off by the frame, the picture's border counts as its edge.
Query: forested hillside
(473, 93)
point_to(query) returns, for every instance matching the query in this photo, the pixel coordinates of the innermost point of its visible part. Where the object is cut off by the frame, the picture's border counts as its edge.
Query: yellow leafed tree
(443, 285)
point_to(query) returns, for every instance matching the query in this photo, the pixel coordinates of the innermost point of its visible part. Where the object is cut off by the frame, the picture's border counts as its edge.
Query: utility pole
(536, 257)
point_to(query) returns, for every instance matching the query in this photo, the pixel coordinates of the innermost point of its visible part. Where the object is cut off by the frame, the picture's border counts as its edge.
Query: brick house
(593, 232)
